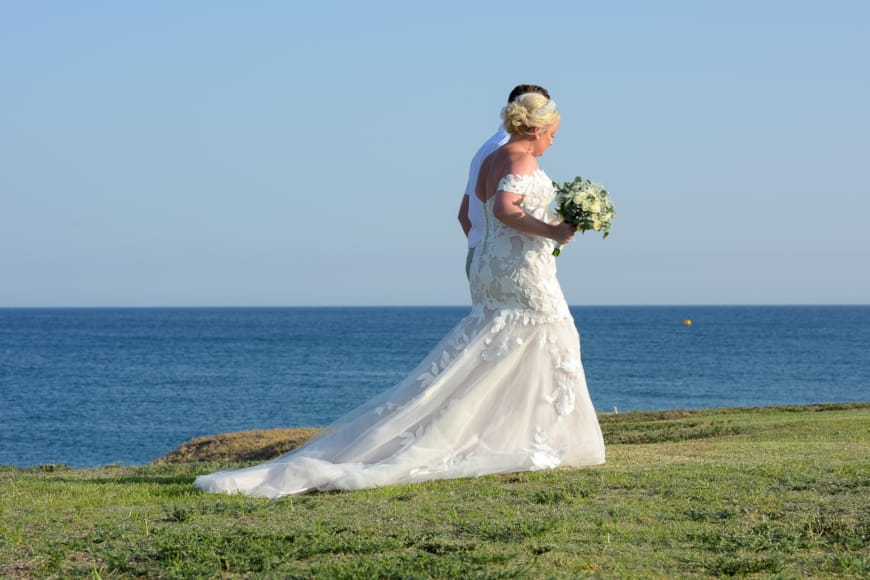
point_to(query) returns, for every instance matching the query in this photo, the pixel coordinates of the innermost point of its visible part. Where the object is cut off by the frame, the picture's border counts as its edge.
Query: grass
(768, 492)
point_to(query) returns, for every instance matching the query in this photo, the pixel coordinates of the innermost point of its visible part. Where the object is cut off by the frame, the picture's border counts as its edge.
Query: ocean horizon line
(409, 306)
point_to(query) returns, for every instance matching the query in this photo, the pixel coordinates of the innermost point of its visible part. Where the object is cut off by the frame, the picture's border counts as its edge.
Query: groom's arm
(463, 216)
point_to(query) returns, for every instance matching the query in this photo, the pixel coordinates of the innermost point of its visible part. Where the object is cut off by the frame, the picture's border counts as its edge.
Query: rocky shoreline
(255, 445)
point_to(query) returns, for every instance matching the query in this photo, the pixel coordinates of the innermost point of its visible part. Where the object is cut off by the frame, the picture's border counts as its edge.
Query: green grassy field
(781, 492)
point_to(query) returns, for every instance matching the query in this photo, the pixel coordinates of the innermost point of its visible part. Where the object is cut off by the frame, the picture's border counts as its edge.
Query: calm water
(95, 386)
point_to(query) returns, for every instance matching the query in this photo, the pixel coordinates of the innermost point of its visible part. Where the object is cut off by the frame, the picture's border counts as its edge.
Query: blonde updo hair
(528, 111)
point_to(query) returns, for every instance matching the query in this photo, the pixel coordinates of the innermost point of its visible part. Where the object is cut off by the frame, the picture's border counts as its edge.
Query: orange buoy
(687, 322)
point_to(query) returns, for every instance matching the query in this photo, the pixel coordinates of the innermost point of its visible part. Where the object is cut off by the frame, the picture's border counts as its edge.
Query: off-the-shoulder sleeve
(519, 184)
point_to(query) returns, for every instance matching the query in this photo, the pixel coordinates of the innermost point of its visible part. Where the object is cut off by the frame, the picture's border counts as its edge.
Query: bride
(504, 391)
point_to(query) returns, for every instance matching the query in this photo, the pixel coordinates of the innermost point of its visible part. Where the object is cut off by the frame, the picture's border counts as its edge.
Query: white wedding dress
(504, 391)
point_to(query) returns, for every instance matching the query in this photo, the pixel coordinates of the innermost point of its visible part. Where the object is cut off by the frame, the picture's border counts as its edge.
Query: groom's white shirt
(475, 207)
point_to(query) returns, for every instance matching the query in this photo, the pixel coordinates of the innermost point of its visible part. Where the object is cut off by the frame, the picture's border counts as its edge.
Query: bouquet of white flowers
(584, 204)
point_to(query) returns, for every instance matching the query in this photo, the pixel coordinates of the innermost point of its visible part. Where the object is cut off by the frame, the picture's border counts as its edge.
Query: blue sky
(276, 153)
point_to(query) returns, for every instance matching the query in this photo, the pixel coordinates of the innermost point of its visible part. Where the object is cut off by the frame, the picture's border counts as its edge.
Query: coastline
(266, 444)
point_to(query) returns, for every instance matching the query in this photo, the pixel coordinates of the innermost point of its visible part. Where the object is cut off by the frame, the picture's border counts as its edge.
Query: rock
(257, 445)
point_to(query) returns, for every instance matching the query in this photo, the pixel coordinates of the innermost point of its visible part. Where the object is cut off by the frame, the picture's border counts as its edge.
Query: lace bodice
(515, 271)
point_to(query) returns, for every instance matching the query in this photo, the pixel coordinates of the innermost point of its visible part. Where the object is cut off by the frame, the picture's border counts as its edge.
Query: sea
(96, 386)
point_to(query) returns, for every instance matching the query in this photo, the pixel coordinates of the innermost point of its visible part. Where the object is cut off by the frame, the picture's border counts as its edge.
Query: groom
(471, 210)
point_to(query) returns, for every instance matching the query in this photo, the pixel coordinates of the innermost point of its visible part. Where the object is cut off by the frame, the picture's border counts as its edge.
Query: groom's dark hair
(523, 89)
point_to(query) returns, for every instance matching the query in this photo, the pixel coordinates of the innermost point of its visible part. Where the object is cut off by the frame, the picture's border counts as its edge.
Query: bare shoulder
(522, 164)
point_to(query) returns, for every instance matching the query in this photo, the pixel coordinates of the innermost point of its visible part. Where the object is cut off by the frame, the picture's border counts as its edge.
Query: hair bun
(527, 112)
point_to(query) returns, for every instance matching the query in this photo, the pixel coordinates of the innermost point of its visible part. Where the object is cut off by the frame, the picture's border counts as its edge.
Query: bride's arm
(506, 208)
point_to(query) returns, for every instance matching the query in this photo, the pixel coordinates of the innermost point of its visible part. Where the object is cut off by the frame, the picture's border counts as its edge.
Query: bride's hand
(563, 233)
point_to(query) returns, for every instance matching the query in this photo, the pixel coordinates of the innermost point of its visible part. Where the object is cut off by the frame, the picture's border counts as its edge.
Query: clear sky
(265, 153)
